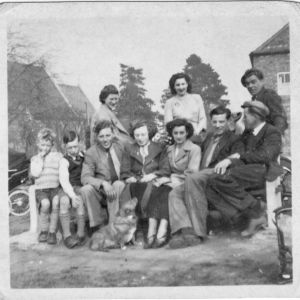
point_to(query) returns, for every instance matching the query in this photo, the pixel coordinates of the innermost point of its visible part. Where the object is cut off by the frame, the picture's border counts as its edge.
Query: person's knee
(45, 205)
(87, 189)
(176, 192)
(173, 199)
(118, 186)
(64, 204)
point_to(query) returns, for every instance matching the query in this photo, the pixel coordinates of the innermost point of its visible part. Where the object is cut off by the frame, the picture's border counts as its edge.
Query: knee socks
(44, 221)
(53, 220)
(65, 223)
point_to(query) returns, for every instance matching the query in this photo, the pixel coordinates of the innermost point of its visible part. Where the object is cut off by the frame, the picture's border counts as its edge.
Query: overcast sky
(89, 40)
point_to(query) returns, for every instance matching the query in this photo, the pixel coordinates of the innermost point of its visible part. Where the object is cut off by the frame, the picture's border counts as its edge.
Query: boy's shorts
(46, 194)
(76, 189)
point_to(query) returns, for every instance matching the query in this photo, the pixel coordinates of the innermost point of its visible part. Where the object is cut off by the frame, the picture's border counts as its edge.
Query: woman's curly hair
(180, 122)
(152, 128)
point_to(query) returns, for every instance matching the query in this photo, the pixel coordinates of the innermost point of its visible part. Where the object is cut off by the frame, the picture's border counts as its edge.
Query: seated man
(100, 174)
(188, 213)
(228, 192)
(253, 80)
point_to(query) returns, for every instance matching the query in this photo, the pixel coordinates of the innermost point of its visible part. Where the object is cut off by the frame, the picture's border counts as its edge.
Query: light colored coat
(190, 108)
(104, 113)
(187, 160)
(96, 168)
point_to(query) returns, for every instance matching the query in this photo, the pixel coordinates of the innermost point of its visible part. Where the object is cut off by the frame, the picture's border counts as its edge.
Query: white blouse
(189, 107)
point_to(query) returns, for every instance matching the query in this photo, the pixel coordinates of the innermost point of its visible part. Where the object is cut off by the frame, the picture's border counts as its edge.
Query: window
(283, 83)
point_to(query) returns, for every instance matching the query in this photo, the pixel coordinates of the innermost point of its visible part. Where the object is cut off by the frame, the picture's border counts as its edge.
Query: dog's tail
(94, 246)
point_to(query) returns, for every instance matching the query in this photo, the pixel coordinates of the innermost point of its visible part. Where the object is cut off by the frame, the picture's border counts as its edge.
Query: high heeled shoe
(149, 242)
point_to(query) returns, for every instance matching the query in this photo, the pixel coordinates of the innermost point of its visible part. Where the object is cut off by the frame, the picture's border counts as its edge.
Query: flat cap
(258, 107)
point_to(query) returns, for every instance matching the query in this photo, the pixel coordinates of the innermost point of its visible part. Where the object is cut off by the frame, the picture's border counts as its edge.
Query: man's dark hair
(152, 128)
(180, 122)
(70, 136)
(258, 73)
(176, 76)
(106, 91)
(220, 110)
(102, 125)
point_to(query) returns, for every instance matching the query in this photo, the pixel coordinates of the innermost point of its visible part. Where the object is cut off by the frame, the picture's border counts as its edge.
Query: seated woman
(186, 105)
(184, 156)
(109, 98)
(145, 168)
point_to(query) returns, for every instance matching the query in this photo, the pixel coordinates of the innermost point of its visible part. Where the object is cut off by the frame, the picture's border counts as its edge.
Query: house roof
(278, 43)
(30, 87)
(77, 99)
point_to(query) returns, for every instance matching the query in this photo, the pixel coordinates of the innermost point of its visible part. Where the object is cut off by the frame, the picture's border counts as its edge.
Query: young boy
(69, 176)
(44, 168)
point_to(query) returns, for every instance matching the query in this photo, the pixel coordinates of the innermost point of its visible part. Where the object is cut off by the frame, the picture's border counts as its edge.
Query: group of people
(177, 184)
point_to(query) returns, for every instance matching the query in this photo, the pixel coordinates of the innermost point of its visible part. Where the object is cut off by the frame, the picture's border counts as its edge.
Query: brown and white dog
(118, 232)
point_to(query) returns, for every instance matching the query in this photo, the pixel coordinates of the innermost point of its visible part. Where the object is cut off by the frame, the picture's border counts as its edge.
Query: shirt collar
(257, 129)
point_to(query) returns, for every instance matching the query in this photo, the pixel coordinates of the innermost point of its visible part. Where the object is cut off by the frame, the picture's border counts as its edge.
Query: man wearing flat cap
(253, 80)
(228, 192)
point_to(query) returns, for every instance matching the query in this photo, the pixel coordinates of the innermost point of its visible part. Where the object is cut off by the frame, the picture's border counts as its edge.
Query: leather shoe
(160, 242)
(81, 240)
(149, 242)
(43, 236)
(192, 239)
(254, 226)
(177, 241)
(51, 238)
(70, 242)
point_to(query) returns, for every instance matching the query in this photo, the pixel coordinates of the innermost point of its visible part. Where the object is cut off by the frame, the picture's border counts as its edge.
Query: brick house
(273, 59)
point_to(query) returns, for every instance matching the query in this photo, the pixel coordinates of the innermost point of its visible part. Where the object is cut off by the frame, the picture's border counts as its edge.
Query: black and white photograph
(148, 149)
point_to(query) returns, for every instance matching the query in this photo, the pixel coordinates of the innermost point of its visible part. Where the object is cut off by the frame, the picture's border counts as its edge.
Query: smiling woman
(185, 105)
(109, 98)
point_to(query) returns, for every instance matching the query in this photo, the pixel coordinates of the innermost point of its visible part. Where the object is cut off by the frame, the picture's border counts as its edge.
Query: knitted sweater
(46, 170)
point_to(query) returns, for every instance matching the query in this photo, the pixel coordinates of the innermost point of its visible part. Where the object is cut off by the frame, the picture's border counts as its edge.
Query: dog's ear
(135, 200)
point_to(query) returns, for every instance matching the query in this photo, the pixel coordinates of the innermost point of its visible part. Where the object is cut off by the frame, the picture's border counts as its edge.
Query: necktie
(208, 154)
(250, 140)
(113, 173)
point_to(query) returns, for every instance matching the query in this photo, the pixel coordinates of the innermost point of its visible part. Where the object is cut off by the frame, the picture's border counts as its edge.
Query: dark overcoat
(229, 193)
(229, 143)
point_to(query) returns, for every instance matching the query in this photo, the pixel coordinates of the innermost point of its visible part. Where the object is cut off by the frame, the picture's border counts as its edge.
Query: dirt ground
(223, 259)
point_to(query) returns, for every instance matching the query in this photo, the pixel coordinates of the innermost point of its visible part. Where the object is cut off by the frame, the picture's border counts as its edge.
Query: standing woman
(184, 157)
(185, 105)
(109, 98)
(145, 168)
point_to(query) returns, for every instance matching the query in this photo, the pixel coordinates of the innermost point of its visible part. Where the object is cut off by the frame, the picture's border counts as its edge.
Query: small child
(69, 176)
(44, 168)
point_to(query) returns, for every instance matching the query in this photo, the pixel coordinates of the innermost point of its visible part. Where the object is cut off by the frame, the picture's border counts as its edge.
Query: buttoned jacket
(155, 162)
(188, 157)
(95, 168)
